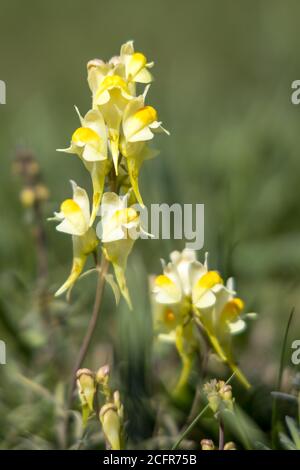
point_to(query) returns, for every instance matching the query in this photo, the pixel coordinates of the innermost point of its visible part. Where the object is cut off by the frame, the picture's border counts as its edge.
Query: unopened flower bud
(207, 444)
(41, 192)
(27, 197)
(86, 386)
(102, 374)
(111, 424)
(230, 446)
(219, 395)
(33, 168)
(102, 379)
(226, 392)
(214, 401)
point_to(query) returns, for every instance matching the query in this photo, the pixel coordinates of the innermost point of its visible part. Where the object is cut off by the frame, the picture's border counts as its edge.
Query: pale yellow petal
(166, 291)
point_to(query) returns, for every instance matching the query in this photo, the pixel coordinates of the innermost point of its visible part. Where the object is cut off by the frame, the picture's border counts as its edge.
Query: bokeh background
(223, 74)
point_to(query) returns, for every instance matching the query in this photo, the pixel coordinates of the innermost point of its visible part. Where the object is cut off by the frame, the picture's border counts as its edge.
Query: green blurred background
(223, 74)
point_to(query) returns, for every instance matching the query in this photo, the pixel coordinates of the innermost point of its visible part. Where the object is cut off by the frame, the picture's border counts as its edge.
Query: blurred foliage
(223, 83)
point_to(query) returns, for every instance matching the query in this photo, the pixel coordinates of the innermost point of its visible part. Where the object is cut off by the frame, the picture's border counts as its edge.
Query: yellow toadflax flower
(74, 218)
(223, 319)
(186, 282)
(136, 64)
(110, 98)
(139, 123)
(97, 70)
(118, 229)
(89, 142)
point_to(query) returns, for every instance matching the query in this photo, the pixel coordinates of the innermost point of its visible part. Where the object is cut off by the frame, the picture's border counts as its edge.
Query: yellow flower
(186, 282)
(222, 320)
(97, 70)
(74, 218)
(138, 126)
(136, 64)
(140, 121)
(118, 229)
(74, 215)
(229, 310)
(112, 87)
(89, 142)
(165, 318)
(111, 99)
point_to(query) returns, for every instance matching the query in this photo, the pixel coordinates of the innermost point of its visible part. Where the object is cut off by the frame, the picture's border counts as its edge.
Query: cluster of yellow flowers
(112, 143)
(188, 298)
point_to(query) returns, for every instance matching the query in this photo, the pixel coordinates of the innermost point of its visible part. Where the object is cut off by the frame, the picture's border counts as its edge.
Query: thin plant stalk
(280, 374)
(190, 427)
(221, 434)
(92, 324)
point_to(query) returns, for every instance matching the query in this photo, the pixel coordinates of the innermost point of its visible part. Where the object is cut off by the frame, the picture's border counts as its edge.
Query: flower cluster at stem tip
(112, 141)
(190, 299)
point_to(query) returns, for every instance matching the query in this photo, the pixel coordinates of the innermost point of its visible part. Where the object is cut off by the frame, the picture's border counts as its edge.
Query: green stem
(184, 375)
(221, 434)
(279, 380)
(190, 427)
